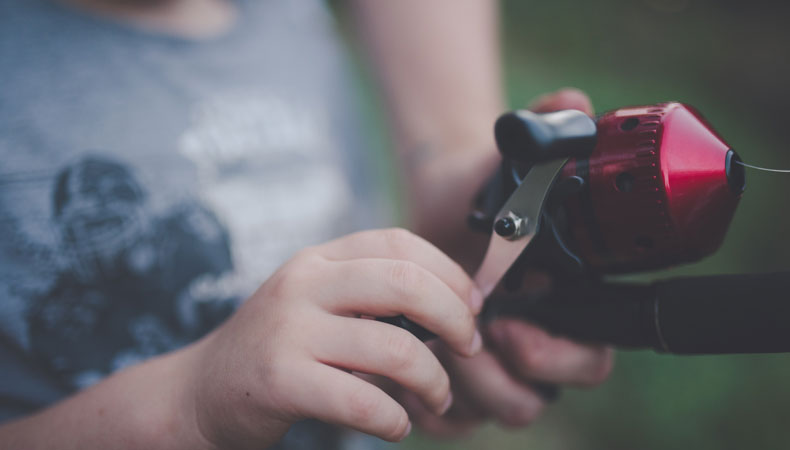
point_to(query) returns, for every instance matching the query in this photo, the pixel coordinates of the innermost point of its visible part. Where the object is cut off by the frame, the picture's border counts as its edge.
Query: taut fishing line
(764, 169)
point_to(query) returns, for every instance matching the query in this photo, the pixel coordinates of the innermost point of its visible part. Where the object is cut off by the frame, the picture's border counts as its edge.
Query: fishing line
(762, 168)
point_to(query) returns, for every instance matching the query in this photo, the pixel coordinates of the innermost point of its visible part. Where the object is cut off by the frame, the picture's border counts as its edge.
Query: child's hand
(287, 353)
(499, 382)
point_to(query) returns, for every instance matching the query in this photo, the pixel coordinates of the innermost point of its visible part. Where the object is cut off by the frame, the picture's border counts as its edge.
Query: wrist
(186, 367)
(441, 189)
(222, 404)
(148, 405)
(170, 418)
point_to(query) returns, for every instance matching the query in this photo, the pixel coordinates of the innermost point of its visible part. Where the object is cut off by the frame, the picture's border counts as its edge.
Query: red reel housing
(662, 189)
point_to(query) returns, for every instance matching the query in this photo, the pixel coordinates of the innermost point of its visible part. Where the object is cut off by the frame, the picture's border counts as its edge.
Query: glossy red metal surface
(657, 190)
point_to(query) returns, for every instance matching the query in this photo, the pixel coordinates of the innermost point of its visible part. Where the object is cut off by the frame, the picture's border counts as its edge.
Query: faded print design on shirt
(137, 268)
(274, 201)
(122, 295)
(148, 184)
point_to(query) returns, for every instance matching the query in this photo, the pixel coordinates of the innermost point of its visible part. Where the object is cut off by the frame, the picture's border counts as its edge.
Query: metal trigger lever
(517, 222)
(545, 141)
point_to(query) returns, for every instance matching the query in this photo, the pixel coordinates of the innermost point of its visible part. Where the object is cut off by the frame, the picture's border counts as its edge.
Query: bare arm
(144, 406)
(438, 66)
(438, 63)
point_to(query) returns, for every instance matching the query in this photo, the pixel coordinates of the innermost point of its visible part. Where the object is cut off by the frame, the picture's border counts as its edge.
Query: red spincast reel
(639, 188)
(662, 187)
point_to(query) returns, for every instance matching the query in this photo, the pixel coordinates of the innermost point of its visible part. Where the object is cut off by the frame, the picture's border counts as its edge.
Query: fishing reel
(638, 188)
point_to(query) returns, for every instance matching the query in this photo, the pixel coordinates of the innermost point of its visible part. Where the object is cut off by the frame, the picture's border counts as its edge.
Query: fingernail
(476, 300)
(447, 403)
(408, 430)
(477, 343)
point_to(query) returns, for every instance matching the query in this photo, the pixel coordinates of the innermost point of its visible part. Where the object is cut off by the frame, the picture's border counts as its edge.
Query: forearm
(145, 406)
(438, 66)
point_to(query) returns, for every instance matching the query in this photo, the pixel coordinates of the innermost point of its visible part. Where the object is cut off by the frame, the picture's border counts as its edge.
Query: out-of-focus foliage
(730, 59)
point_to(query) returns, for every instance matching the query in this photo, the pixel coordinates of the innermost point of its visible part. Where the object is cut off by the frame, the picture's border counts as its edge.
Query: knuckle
(405, 276)
(532, 351)
(533, 359)
(278, 284)
(307, 257)
(286, 283)
(296, 274)
(398, 239)
(401, 350)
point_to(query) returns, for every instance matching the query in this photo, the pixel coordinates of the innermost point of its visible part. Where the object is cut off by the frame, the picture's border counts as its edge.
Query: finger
(411, 401)
(464, 411)
(377, 348)
(433, 424)
(567, 98)
(486, 385)
(346, 400)
(535, 355)
(400, 244)
(384, 287)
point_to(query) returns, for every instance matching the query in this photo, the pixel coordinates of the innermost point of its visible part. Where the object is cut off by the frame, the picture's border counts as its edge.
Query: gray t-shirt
(149, 183)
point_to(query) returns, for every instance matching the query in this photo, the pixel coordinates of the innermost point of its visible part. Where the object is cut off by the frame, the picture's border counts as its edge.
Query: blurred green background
(730, 60)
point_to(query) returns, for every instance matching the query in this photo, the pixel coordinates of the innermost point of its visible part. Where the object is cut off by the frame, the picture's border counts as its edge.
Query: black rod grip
(725, 314)
(609, 313)
(721, 314)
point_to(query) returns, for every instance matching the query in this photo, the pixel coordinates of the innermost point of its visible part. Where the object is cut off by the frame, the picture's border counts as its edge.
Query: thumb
(566, 98)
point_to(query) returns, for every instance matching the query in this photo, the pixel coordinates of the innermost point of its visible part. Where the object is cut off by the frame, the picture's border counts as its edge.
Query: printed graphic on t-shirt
(269, 167)
(118, 258)
(121, 293)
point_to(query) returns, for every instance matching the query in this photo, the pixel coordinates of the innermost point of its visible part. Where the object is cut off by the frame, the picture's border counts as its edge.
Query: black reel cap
(528, 137)
(736, 173)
